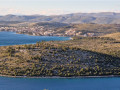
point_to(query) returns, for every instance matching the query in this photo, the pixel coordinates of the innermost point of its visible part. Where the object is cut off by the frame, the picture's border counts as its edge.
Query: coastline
(38, 35)
(58, 77)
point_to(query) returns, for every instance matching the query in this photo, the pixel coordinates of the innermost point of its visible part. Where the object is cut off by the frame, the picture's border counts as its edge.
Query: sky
(56, 7)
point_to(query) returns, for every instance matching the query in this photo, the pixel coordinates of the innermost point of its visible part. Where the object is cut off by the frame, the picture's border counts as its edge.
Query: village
(45, 31)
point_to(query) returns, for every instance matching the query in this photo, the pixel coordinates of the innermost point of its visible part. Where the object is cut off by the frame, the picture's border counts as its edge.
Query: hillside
(50, 24)
(96, 29)
(98, 18)
(114, 36)
(61, 29)
(105, 45)
(78, 57)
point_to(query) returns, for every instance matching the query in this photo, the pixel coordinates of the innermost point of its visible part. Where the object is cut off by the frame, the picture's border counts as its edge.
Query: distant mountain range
(99, 18)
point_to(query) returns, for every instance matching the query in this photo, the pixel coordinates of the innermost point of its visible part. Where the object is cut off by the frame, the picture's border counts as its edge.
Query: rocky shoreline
(106, 76)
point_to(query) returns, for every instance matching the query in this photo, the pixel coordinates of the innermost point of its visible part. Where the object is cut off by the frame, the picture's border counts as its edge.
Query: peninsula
(77, 57)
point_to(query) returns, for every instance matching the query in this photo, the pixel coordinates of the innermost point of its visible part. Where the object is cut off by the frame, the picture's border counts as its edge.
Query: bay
(11, 38)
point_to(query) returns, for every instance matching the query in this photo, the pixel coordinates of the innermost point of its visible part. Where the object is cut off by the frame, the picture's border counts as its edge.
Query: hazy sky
(50, 7)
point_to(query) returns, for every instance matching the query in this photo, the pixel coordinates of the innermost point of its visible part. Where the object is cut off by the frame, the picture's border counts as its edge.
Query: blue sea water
(7, 83)
(11, 38)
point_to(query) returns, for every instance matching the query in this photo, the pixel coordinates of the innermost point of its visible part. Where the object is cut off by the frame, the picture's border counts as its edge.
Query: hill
(78, 57)
(99, 18)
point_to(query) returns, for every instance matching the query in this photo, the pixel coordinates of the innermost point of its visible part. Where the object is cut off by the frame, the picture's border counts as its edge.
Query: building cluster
(45, 31)
(39, 30)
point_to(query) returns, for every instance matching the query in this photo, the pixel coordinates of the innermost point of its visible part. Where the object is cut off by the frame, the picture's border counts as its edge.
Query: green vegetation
(82, 56)
(105, 45)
